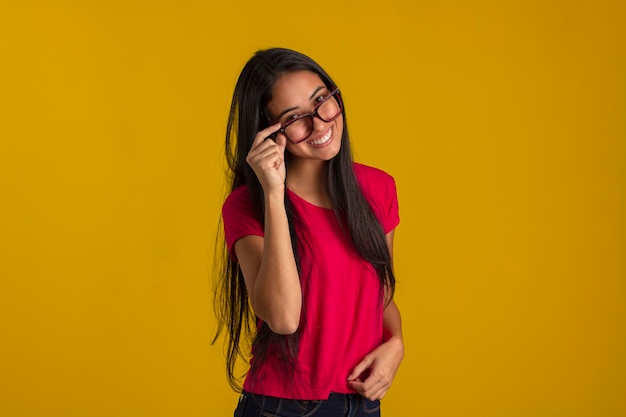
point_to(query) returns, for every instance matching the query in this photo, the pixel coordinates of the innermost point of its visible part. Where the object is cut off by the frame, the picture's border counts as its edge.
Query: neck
(308, 180)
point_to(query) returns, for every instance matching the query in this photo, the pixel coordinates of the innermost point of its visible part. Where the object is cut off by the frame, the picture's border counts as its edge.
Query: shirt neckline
(308, 203)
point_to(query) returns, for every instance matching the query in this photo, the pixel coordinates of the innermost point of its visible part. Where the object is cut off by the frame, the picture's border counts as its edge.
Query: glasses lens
(299, 130)
(329, 110)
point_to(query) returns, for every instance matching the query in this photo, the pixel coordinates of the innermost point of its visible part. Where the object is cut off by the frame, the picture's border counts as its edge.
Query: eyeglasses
(300, 127)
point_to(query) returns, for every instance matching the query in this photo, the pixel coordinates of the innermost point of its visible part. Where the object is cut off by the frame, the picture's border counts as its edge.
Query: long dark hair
(252, 94)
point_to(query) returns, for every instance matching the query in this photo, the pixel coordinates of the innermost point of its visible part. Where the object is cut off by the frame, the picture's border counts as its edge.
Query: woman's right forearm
(277, 291)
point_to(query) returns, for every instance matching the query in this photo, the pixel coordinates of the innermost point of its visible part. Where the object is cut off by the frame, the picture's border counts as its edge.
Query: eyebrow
(321, 87)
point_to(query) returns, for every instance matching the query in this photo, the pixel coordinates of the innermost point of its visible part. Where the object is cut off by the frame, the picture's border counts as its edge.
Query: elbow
(285, 325)
(283, 318)
(284, 329)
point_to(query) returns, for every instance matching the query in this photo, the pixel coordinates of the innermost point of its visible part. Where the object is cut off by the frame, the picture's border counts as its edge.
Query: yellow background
(502, 122)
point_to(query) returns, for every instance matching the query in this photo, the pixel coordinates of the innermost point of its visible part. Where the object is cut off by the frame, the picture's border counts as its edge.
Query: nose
(318, 124)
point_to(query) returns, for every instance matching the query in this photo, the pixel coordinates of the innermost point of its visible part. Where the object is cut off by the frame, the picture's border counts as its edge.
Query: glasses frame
(283, 128)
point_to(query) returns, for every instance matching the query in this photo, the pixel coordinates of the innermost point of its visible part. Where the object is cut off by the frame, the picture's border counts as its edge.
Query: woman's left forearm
(392, 324)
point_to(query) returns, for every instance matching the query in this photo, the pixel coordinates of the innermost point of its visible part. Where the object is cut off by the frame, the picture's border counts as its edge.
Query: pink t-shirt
(341, 321)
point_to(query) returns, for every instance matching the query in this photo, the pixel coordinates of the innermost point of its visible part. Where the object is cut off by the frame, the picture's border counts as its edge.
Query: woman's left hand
(382, 364)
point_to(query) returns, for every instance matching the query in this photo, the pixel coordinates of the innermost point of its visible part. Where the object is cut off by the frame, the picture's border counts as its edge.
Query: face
(298, 93)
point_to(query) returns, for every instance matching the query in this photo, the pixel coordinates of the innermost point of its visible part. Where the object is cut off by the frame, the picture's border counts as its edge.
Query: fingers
(360, 368)
(266, 157)
(372, 388)
(281, 141)
(264, 134)
(377, 383)
(262, 148)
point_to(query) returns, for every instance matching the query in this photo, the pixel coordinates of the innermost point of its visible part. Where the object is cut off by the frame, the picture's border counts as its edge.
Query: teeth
(323, 139)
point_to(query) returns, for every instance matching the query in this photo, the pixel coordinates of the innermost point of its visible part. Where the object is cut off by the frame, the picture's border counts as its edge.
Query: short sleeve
(392, 215)
(379, 188)
(239, 218)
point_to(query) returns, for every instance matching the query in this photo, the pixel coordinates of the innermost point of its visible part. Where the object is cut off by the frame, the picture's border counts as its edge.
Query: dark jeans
(337, 405)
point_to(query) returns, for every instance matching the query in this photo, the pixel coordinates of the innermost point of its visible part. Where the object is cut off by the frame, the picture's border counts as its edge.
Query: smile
(323, 139)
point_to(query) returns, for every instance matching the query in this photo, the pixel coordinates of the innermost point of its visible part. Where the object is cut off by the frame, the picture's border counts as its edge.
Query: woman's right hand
(267, 159)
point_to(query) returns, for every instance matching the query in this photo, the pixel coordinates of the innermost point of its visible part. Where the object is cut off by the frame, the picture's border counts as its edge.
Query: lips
(323, 140)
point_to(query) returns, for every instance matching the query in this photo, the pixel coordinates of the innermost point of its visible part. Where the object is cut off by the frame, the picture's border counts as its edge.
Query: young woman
(308, 275)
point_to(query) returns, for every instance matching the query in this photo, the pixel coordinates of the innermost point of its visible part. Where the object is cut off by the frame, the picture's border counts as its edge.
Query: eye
(291, 118)
(321, 98)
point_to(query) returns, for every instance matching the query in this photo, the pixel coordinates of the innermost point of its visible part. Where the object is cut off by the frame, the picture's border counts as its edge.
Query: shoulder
(239, 198)
(239, 207)
(379, 188)
(372, 177)
(239, 217)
